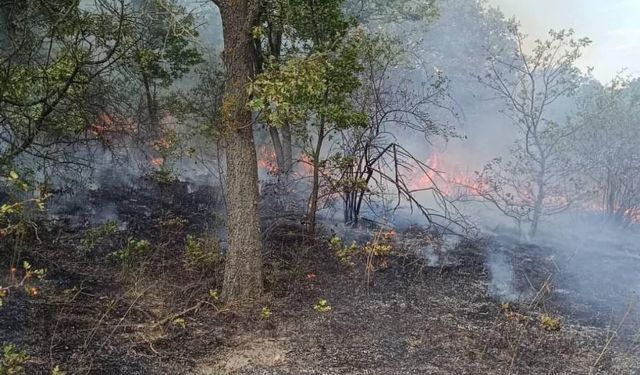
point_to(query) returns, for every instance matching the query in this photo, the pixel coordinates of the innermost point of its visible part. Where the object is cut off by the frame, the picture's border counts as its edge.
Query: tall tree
(166, 51)
(606, 147)
(532, 183)
(309, 87)
(55, 62)
(243, 271)
(291, 29)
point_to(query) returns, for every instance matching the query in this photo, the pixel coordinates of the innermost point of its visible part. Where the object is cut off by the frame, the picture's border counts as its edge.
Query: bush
(550, 323)
(131, 253)
(95, 236)
(13, 361)
(202, 254)
(344, 253)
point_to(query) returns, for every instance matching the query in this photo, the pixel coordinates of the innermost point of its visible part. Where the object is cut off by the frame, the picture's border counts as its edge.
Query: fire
(162, 144)
(109, 124)
(157, 162)
(267, 160)
(450, 179)
(306, 165)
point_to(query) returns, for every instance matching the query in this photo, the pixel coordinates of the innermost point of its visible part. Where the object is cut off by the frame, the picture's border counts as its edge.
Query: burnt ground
(94, 315)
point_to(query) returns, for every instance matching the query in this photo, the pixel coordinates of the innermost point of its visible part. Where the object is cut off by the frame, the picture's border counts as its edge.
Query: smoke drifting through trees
(367, 104)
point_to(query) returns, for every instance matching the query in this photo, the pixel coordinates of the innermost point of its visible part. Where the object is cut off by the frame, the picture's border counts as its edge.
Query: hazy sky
(612, 25)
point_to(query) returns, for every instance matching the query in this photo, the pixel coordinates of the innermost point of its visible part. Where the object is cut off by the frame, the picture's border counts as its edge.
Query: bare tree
(531, 183)
(373, 165)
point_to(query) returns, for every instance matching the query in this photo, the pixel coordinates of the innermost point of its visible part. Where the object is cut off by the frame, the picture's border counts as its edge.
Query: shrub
(24, 279)
(550, 323)
(94, 236)
(202, 254)
(131, 252)
(13, 361)
(322, 306)
(378, 248)
(344, 253)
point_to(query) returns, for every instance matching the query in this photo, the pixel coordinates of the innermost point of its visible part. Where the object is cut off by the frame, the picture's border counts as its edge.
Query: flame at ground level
(449, 178)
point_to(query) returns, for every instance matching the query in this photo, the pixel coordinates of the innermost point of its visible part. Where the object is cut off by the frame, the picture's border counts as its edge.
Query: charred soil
(399, 315)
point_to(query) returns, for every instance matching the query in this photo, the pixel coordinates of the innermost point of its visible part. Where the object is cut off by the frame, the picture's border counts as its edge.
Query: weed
(550, 323)
(163, 176)
(322, 306)
(172, 225)
(510, 314)
(13, 361)
(265, 313)
(180, 322)
(344, 253)
(94, 236)
(202, 254)
(213, 293)
(131, 252)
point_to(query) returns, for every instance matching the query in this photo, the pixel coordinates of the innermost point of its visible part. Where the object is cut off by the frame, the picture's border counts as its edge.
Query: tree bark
(243, 271)
(152, 105)
(539, 202)
(312, 207)
(277, 147)
(287, 148)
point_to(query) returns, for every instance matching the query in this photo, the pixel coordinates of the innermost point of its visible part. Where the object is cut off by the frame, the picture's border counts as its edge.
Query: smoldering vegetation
(461, 200)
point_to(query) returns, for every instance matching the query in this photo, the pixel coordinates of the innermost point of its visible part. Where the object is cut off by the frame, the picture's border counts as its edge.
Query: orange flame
(157, 162)
(107, 124)
(449, 179)
(267, 160)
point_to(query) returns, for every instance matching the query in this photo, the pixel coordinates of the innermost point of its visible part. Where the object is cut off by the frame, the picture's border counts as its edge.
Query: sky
(612, 25)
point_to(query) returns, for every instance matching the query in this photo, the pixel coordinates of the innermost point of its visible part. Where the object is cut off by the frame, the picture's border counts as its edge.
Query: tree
(309, 87)
(165, 53)
(374, 163)
(532, 183)
(606, 147)
(291, 29)
(315, 85)
(392, 11)
(243, 270)
(55, 63)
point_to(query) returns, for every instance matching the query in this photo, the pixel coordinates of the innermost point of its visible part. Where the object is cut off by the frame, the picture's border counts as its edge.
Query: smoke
(593, 267)
(589, 265)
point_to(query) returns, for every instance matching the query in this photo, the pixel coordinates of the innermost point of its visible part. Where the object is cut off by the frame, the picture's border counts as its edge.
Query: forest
(211, 187)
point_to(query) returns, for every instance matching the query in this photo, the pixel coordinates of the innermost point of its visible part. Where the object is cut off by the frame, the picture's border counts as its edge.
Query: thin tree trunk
(315, 189)
(277, 147)
(287, 148)
(243, 271)
(538, 205)
(152, 105)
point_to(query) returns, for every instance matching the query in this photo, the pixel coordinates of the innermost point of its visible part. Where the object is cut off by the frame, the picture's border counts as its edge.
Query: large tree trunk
(243, 271)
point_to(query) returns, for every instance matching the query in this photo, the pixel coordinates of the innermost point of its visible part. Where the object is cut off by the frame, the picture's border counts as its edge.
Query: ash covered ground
(434, 306)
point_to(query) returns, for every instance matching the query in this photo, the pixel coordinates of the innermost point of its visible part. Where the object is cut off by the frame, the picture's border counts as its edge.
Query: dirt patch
(247, 352)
